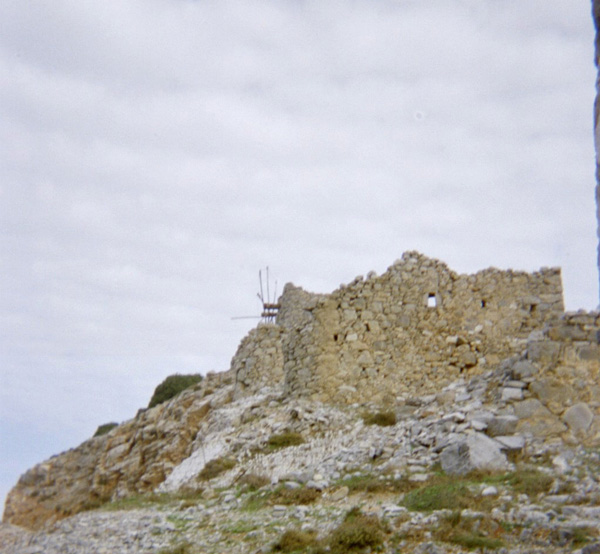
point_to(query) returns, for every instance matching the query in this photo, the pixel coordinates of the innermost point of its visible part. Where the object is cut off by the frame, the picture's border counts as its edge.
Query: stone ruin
(414, 333)
(419, 326)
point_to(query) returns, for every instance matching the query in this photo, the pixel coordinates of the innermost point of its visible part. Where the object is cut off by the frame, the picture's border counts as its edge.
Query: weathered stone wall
(419, 325)
(561, 367)
(258, 361)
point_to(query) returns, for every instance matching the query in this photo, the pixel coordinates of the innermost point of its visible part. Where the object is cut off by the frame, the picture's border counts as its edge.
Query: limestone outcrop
(134, 457)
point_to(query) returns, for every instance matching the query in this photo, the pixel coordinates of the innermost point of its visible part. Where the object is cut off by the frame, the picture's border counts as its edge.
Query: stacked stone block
(419, 325)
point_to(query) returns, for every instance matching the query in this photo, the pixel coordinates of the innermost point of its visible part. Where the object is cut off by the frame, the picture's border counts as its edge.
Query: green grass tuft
(441, 496)
(530, 482)
(294, 497)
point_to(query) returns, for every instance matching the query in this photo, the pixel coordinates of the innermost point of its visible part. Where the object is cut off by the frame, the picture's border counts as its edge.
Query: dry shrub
(293, 540)
(290, 497)
(215, 467)
(357, 532)
(469, 533)
(383, 419)
(285, 439)
(253, 481)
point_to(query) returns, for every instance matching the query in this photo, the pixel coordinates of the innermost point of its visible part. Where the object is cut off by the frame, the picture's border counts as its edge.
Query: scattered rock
(502, 425)
(524, 370)
(511, 443)
(475, 451)
(339, 494)
(578, 417)
(489, 491)
(511, 393)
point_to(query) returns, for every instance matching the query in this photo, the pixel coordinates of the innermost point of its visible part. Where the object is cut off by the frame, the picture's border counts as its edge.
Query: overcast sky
(157, 153)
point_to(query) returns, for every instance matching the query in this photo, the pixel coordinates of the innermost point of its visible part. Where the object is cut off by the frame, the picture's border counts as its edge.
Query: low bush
(293, 540)
(215, 467)
(582, 535)
(172, 386)
(383, 419)
(105, 428)
(283, 440)
(294, 497)
(253, 482)
(357, 532)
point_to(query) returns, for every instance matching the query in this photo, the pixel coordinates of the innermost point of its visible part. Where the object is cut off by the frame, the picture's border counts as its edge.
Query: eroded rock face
(134, 457)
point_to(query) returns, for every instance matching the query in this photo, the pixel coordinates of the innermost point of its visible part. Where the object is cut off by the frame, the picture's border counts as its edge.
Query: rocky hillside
(502, 457)
(477, 465)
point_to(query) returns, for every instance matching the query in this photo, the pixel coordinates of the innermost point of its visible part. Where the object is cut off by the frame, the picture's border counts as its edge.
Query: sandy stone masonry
(259, 359)
(419, 325)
